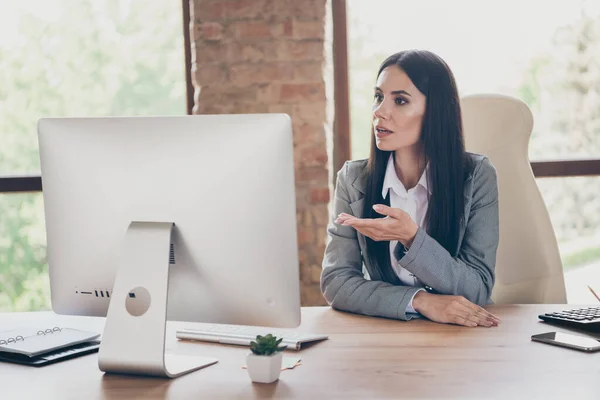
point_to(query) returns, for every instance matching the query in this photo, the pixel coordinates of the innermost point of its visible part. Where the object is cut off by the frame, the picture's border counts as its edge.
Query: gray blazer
(468, 272)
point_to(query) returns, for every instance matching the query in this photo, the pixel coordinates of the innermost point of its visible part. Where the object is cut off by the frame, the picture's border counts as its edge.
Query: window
(575, 214)
(23, 269)
(549, 59)
(73, 58)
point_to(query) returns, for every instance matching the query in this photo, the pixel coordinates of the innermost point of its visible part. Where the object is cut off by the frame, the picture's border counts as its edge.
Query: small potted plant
(264, 363)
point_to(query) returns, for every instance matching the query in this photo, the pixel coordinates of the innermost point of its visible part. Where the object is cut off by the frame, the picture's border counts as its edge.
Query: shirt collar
(392, 181)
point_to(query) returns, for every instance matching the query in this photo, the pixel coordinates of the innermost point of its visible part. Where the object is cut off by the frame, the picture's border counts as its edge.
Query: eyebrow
(396, 91)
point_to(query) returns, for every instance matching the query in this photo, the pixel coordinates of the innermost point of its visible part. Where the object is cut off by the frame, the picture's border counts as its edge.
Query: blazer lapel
(360, 184)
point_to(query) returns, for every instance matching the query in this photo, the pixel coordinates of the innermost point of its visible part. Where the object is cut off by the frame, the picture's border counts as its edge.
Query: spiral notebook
(42, 346)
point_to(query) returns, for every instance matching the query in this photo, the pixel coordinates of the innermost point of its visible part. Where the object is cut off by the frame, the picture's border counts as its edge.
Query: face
(398, 109)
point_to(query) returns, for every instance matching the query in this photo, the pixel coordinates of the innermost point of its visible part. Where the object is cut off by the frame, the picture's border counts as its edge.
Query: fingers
(347, 219)
(470, 314)
(358, 223)
(480, 319)
(488, 315)
(396, 213)
(383, 209)
(342, 218)
(465, 321)
(483, 314)
(466, 316)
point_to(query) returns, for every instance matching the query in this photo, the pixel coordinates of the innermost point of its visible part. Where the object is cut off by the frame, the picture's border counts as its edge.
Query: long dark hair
(443, 144)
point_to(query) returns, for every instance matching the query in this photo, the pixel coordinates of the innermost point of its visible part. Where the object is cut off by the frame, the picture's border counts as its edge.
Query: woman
(421, 213)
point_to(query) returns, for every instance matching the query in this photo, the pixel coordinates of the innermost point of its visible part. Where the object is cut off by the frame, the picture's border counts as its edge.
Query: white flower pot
(264, 369)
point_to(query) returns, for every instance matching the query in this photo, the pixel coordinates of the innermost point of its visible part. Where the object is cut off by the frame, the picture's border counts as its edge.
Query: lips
(382, 131)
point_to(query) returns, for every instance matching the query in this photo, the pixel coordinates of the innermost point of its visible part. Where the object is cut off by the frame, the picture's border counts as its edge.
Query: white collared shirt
(414, 202)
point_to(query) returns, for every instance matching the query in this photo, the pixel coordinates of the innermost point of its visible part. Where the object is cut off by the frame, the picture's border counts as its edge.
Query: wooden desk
(364, 358)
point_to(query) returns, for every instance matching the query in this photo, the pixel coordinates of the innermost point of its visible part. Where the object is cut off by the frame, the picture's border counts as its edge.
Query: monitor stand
(134, 335)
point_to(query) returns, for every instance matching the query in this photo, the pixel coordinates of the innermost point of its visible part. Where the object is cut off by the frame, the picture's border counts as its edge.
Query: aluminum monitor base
(134, 335)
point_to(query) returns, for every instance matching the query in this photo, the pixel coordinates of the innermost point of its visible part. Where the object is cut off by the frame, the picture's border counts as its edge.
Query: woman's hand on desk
(453, 310)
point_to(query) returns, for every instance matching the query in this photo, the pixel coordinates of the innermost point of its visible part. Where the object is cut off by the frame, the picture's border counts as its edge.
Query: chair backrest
(528, 265)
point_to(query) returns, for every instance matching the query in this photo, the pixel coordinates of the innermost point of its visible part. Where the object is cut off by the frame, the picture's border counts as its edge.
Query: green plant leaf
(266, 345)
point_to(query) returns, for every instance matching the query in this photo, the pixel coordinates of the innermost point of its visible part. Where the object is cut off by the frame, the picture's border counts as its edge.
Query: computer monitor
(203, 206)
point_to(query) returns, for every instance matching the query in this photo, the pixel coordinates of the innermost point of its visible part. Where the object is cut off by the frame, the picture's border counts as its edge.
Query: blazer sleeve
(342, 281)
(471, 273)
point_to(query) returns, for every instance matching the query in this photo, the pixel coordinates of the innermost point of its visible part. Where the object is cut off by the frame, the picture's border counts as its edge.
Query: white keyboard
(242, 335)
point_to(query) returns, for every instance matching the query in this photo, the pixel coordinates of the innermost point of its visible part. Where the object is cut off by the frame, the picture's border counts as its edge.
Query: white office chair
(528, 265)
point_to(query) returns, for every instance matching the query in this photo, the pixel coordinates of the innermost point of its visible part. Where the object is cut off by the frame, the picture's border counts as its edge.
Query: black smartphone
(576, 342)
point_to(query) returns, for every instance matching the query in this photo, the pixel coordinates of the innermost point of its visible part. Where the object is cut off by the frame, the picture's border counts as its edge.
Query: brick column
(257, 56)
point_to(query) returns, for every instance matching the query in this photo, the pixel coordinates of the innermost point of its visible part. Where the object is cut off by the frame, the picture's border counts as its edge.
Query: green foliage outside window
(73, 58)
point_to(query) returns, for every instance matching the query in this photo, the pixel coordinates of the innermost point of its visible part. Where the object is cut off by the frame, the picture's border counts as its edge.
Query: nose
(381, 110)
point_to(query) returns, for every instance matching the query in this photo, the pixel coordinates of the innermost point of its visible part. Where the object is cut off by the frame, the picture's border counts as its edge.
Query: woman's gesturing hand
(397, 225)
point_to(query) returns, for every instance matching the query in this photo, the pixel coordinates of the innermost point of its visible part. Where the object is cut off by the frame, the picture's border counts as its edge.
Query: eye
(400, 101)
(378, 97)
